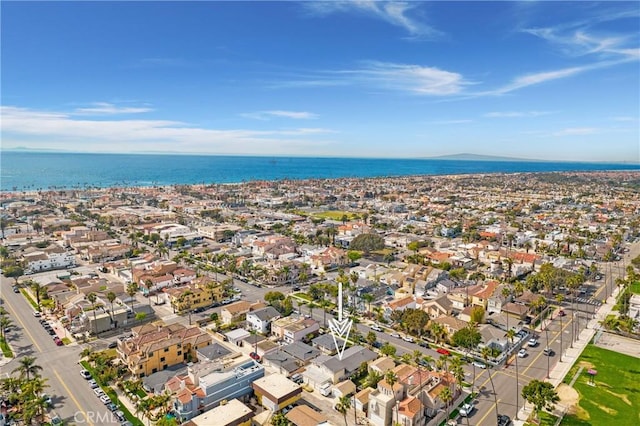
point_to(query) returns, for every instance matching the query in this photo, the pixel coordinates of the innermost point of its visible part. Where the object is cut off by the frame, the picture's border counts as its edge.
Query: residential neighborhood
(210, 304)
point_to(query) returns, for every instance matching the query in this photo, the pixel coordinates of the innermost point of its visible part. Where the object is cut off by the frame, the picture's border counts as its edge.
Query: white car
(396, 335)
(533, 342)
(376, 327)
(37, 314)
(408, 339)
(85, 374)
(105, 399)
(479, 364)
(522, 353)
(466, 409)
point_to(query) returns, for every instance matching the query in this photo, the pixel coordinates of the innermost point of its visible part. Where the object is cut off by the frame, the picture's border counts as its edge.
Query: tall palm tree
(368, 298)
(560, 299)
(28, 367)
(5, 322)
(446, 396)
(132, 289)
(91, 297)
(111, 297)
(343, 406)
(511, 334)
(486, 352)
(37, 291)
(392, 378)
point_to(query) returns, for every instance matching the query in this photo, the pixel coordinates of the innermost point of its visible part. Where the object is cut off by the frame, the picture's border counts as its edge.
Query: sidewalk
(569, 357)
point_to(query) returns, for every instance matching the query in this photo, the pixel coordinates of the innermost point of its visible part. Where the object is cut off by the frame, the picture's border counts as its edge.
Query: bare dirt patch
(569, 397)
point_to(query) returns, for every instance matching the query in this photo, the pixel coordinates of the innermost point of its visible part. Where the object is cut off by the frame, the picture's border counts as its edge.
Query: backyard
(614, 394)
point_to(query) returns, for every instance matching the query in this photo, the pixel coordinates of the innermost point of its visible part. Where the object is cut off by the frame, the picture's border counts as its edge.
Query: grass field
(615, 398)
(635, 287)
(336, 215)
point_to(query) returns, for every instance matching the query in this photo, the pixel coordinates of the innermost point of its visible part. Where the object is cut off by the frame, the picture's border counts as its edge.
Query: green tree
(446, 396)
(486, 352)
(111, 297)
(27, 368)
(367, 243)
(542, 395)
(13, 271)
(132, 289)
(372, 379)
(343, 405)
(272, 296)
(279, 419)
(477, 315)
(371, 338)
(468, 337)
(37, 289)
(388, 349)
(392, 378)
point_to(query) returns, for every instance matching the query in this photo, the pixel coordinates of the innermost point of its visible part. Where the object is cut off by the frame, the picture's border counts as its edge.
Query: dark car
(377, 344)
(58, 341)
(561, 313)
(113, 345)
(16, 289)
(503, 420)
(548, 352)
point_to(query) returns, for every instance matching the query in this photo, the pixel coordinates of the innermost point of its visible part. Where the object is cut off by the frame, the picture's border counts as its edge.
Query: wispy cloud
(267, 115)
(85, 134)
(395, 13)
(516, 114)
(406, 78)
(104, 108)
(577, 131)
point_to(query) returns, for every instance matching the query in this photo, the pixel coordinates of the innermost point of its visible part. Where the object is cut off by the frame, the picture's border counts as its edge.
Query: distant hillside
(477, 157)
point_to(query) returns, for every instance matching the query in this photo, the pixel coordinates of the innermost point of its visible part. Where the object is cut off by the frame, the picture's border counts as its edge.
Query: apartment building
(156, 347)
(201, 292)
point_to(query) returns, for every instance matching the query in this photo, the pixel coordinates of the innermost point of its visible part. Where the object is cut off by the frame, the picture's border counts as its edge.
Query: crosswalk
(588, 301)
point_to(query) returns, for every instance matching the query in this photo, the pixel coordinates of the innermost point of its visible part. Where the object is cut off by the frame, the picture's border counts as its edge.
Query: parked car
(112, 345)
(254, 356)
(561, 313)
(548, 352)
(112, 407)
(466, 409)
(57, 341)
(376, 327)
(16, 289)
(37, 314)
(480, 364)
(408, 339)
(105, 399)
(503, 420)
(47, 399)
(396, 335)
(533, 342)
(120, 416)
(522, 353)
(443, 351)
(93, 384)
(85, 374)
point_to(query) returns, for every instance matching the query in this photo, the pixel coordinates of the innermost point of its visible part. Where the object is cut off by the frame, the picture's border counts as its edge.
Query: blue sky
(546, 80)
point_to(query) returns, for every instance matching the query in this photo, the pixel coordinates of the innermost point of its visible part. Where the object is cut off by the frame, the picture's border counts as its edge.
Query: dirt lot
(616, 343)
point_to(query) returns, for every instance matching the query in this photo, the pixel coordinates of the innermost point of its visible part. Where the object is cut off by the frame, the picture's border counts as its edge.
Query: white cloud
(266, 115)
(415, 79)
(104, 108)
(393, 12)
(122, 135)
(576, 131)
(516, 114)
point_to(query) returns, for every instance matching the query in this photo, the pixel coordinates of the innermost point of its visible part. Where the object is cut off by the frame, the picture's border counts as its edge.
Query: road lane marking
(491, 410)
(73, 398)
(24, 327)
(553, 337)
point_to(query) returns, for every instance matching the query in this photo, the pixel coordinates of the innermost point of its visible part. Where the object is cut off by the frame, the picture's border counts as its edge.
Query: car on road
(533, 342)
(113, 345)
(396, 335)
(85, 374)
(377, 344)
(120, 416)
(561, 313)
(99, 392)
(408, 339)
(376, 327)
(479, 364)
(105, 399)
(47, 399)
(92, 384)
(503, 420)
(57, 341)
(254, 356)
(522, 353)
(112, 407)
(443, 351)
(37, 314)
(16, 289)
(548, 352)
(466, 409)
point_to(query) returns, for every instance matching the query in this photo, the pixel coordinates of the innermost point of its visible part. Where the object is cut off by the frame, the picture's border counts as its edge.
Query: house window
(179, 353)
(155, 370)
(166, 349)
(162, 359)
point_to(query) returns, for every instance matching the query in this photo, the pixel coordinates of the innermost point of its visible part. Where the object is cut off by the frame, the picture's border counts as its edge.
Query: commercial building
(275, 392)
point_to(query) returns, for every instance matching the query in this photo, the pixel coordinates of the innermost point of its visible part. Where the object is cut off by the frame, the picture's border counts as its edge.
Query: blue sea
(44, 171)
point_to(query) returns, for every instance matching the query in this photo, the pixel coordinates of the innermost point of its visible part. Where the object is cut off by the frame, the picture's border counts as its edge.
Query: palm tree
(28, 367)
(5, 322)
(541, 395)
(91, 297)
(343, 406)
(132, 289)
(37, 291)
(368, 298)
(485, 355)
(111, 296)
(392, 378)
(560, 299)
(373, 378)
(511, 334)
(446, 396)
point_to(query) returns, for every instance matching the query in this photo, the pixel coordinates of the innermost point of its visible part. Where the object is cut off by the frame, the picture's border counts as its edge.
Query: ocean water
(43, 171)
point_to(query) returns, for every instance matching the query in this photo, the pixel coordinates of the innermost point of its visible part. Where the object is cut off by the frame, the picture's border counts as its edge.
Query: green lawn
(546, 419)
(336, 215)
(635, 287)
(6, 350)
(615, 398)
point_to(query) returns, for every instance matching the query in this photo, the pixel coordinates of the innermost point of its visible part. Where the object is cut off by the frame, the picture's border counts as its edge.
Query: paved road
(72, 399)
